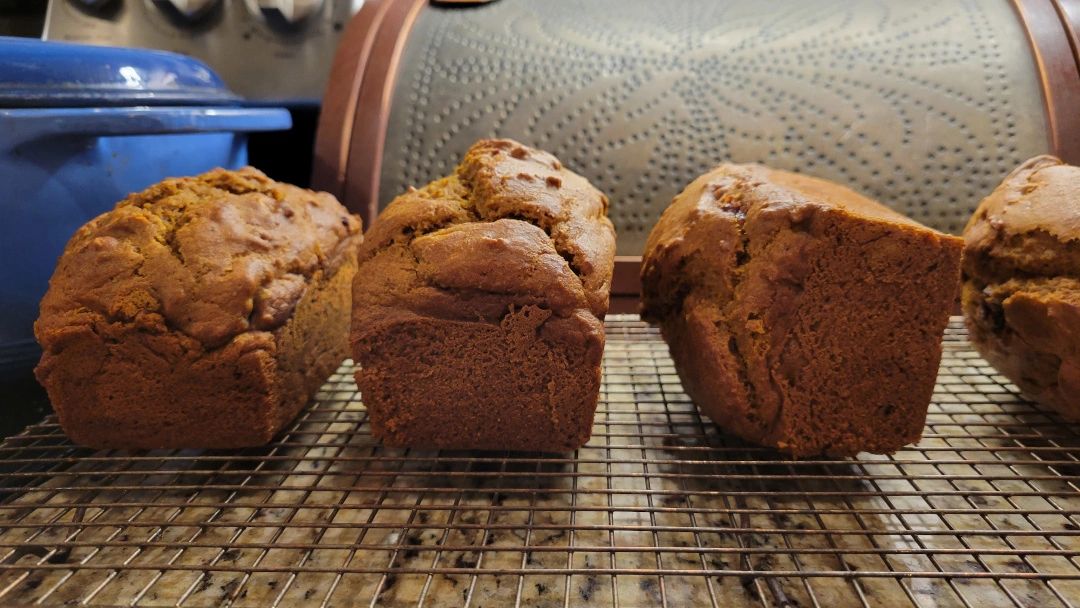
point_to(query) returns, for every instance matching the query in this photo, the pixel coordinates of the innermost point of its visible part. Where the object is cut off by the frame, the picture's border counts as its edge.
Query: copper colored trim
(364, 162)
(1069, 13)
(626, 280)
(1058, 72)
(339, 100)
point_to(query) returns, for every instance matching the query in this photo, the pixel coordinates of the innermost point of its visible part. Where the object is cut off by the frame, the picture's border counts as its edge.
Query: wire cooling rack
(658, 509)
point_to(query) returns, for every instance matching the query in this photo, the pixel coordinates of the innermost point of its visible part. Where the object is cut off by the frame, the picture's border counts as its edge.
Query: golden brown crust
(1021, 293)
(1030, 224)
(800, 314)
(202, 312)
(213, 255)
(510, 245)
(525, 191)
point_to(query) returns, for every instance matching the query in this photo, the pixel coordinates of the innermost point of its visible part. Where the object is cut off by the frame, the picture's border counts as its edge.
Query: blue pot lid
(36, 73)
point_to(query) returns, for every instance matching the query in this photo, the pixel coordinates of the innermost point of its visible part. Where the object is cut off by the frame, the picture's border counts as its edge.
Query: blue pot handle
(22, 125)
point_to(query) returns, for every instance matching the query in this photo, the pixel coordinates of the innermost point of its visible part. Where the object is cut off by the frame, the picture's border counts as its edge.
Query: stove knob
(292, 11)
(192, 9)
(94, 4)
(296, 11)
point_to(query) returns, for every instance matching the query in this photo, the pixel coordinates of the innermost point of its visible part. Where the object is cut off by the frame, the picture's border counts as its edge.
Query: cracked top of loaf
(711, 222)
(211, 256)
(511, 226)
(1029, 225)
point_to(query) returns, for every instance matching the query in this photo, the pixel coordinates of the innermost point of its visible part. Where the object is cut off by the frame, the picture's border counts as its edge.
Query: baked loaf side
(479, 305)
(800, 314)
(200, 313)
(1021, 294)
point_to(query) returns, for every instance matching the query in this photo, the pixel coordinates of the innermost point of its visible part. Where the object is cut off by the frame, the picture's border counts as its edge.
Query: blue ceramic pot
(80, 128)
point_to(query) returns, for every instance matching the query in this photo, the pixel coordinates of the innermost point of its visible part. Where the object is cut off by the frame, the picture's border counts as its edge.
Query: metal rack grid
(658, 509)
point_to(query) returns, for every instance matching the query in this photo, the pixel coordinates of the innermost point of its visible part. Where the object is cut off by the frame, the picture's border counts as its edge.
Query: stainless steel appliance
(265, 50)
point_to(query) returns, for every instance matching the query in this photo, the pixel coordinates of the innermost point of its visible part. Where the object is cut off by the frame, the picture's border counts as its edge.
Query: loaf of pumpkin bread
(1022, 281)
(479, 303)
(799, 314)
(201, 313)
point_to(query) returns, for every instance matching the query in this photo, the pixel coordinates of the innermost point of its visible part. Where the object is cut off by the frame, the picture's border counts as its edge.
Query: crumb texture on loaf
(800, 314)
(201, 312)
(479, 302)
(1021, 294)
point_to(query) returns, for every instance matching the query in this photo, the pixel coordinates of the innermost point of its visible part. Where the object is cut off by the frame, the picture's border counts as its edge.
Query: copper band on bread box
(352, 124)
(923, 105)
(1051, 28)
(332, 147)
(1069, 11)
